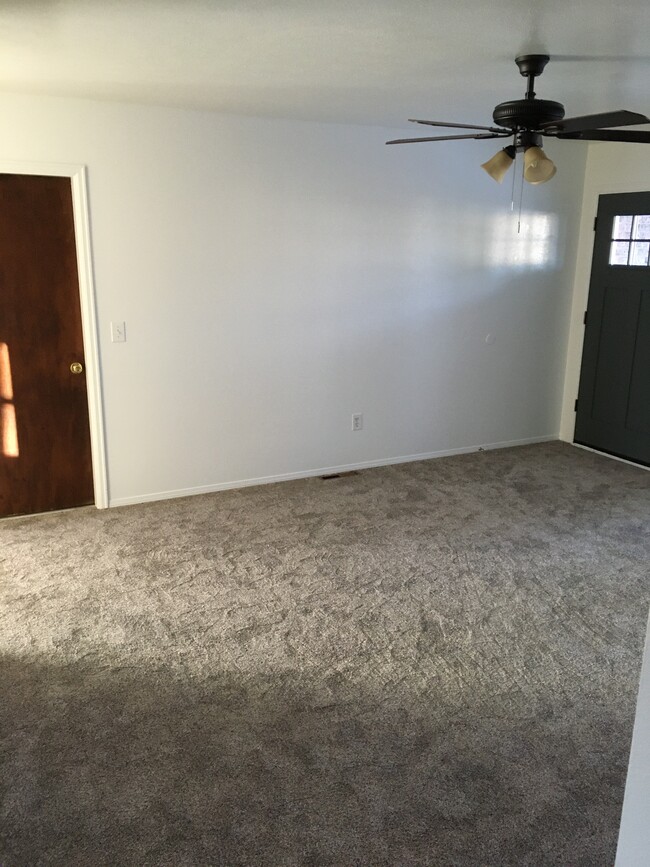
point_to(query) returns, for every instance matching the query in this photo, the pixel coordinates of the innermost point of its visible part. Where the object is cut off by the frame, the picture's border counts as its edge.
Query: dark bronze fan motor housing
(529, 114)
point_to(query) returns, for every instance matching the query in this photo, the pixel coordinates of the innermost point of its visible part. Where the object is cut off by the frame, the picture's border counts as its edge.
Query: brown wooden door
(45, 458)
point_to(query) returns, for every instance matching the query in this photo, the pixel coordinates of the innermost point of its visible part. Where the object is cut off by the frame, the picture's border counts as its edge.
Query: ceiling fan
(527, 120)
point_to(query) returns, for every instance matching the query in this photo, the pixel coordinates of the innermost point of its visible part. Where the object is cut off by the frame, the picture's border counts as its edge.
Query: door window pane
(618, 252)
(630, 244)
(639, 253)
(642, 227)
(622, 227)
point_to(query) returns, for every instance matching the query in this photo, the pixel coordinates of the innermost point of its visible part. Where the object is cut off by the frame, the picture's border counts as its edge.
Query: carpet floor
(427, 664)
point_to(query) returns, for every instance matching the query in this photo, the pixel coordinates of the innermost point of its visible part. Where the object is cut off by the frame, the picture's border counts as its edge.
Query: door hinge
(584, 318)
(575, 405)
(595, 223)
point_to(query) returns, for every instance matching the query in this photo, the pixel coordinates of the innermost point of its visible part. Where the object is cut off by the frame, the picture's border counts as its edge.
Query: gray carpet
(428, 664)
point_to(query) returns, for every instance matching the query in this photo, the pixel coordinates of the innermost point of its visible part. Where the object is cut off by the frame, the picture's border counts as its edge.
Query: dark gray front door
(613, 413)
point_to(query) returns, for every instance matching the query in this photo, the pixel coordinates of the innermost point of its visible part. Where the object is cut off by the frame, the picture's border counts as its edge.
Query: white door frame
(77, 175)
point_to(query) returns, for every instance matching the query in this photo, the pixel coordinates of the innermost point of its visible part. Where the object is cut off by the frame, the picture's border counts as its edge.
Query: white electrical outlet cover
(118, 332)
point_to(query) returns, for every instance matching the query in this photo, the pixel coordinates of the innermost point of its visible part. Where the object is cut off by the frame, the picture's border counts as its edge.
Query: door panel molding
(78, 180)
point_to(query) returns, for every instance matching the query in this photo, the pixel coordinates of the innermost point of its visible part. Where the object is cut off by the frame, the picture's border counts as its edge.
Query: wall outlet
(357, 421)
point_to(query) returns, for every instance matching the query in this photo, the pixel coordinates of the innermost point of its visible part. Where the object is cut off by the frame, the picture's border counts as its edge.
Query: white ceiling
(370, 61)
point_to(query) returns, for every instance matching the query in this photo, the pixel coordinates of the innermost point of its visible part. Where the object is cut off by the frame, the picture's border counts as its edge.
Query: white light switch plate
(118, 332)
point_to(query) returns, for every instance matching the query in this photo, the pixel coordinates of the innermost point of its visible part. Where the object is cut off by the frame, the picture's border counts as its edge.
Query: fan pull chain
(514, 178)
(521, 197)
(521, 192)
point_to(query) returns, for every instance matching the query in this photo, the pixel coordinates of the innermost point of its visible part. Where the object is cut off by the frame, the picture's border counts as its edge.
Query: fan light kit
(527, 120)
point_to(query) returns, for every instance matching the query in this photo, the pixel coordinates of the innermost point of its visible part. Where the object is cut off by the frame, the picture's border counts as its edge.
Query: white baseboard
(322, 471)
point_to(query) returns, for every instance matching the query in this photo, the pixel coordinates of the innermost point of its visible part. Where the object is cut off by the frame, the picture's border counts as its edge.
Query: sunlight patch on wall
(535, 246)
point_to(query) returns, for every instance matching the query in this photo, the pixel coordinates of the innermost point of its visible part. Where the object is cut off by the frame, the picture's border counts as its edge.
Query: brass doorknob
(76, 367)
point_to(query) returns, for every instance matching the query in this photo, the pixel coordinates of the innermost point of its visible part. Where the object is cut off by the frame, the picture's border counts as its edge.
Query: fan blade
(595, 121)
(446, 138)
(459, 125)
(631, 135)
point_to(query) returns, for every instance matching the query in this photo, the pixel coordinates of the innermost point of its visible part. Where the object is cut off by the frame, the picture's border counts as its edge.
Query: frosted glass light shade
(537, 167)
(498, 165)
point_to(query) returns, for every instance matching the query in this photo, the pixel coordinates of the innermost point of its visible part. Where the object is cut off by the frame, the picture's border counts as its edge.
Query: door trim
(77, 175)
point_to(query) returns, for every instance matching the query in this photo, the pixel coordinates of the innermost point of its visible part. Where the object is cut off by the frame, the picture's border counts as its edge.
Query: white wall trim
(634, 837)
(581, 297)
(77, 175)
(306, 474)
